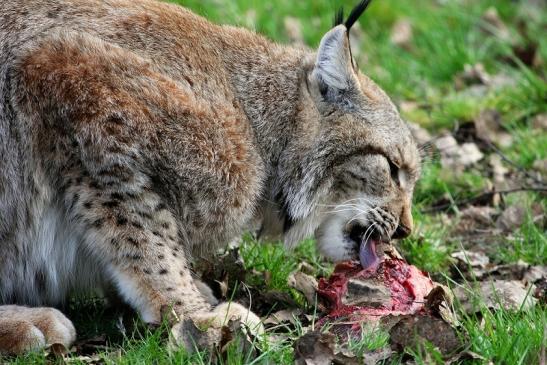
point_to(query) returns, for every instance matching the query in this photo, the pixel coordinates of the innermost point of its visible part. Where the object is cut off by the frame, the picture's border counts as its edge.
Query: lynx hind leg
(24, 329)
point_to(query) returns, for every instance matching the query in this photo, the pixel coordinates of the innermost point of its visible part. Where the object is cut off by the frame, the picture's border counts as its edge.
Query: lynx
(136, 136)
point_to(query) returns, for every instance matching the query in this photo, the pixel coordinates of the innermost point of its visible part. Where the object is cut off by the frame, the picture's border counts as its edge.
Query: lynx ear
(333, 67)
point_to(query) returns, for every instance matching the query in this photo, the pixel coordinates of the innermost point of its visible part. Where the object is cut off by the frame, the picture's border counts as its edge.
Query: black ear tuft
(356, 13)
(339, 17)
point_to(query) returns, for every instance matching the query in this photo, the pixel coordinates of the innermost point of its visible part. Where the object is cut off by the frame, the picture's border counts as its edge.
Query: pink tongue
(367, 255)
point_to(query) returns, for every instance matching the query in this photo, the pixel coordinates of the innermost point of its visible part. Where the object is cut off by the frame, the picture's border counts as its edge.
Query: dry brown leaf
(455, 156)
(482, 216)
(283, 316)
(411, 331)
(293, 29)
(401, 33)
(493, 25)
(540, 121)
(496, 294)
(475, 259)
(421, 135)
(439, 302)
(472, 75)
(488, 127)
(464, 355)
(377, 357)
(92, 360)
(540, 166)
(314, 348)
(535, 273)
(233, 334)
(306, 284)
(343, 356)
(499, 171)
(512, 217)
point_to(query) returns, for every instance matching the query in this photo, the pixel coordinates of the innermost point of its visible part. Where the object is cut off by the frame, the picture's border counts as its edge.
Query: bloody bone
(355, 295)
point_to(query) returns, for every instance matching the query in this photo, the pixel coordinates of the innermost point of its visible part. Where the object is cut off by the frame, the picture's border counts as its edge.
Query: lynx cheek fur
(136, 135)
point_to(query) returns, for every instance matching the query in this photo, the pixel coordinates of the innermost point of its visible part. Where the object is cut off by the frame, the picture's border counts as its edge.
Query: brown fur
(136, 135)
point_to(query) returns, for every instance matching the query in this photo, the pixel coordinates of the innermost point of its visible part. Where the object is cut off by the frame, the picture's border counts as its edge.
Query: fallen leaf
(421, 135)
(304, 283)
(293, 29)
(192, 337)
(377, 357)
(363, 293)
(541, 291)
(314, 348)
(512, 217)
(343, 356)
(401, 33)
(496, 294)
(493, 25)
(471, 75)
(412, 331)
(306, 268)
(262, 301)
(488, 128)
(535, 274)
(91, 345)
(511, 271)
(473, 217)
(455, 156)
(475, 259)
(474, 80)
(541, 166)
(223, 274)
(439, 303)
(469, 154)
(93, 359)
(499, 171)
(234, 335)
(464, 355)
(540, 122)
(527, 53)
(283, 316)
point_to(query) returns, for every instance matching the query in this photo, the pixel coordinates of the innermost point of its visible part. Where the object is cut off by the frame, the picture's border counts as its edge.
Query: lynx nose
(401, 232)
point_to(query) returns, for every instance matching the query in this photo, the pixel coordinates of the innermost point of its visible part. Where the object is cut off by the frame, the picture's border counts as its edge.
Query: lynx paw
(204, 330)
(24, 329)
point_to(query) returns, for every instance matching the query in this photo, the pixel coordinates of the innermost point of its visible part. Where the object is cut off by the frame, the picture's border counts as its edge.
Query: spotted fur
(136, 136)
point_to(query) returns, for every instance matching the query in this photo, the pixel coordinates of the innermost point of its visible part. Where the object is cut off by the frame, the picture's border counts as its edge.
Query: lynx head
(350, 169)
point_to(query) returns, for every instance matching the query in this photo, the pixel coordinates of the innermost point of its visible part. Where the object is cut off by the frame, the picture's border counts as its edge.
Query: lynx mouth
(367, 254)
(367, 247)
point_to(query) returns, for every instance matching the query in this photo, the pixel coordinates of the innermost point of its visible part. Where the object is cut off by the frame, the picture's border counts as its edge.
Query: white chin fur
(331, 240)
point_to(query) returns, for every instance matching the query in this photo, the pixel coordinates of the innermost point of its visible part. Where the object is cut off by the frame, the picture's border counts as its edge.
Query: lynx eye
(394, 171)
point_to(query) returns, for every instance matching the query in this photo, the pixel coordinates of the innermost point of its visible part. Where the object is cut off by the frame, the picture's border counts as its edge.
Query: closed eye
(394, 171)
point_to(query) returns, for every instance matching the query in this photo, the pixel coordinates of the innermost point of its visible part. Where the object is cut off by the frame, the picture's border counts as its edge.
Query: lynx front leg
(137, 238)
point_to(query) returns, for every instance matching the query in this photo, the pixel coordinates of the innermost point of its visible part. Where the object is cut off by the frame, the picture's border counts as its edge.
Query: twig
(481, 196)
(512, 163)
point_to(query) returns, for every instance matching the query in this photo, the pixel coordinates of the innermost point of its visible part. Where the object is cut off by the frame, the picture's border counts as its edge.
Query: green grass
(507, 337)
(447, 35)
